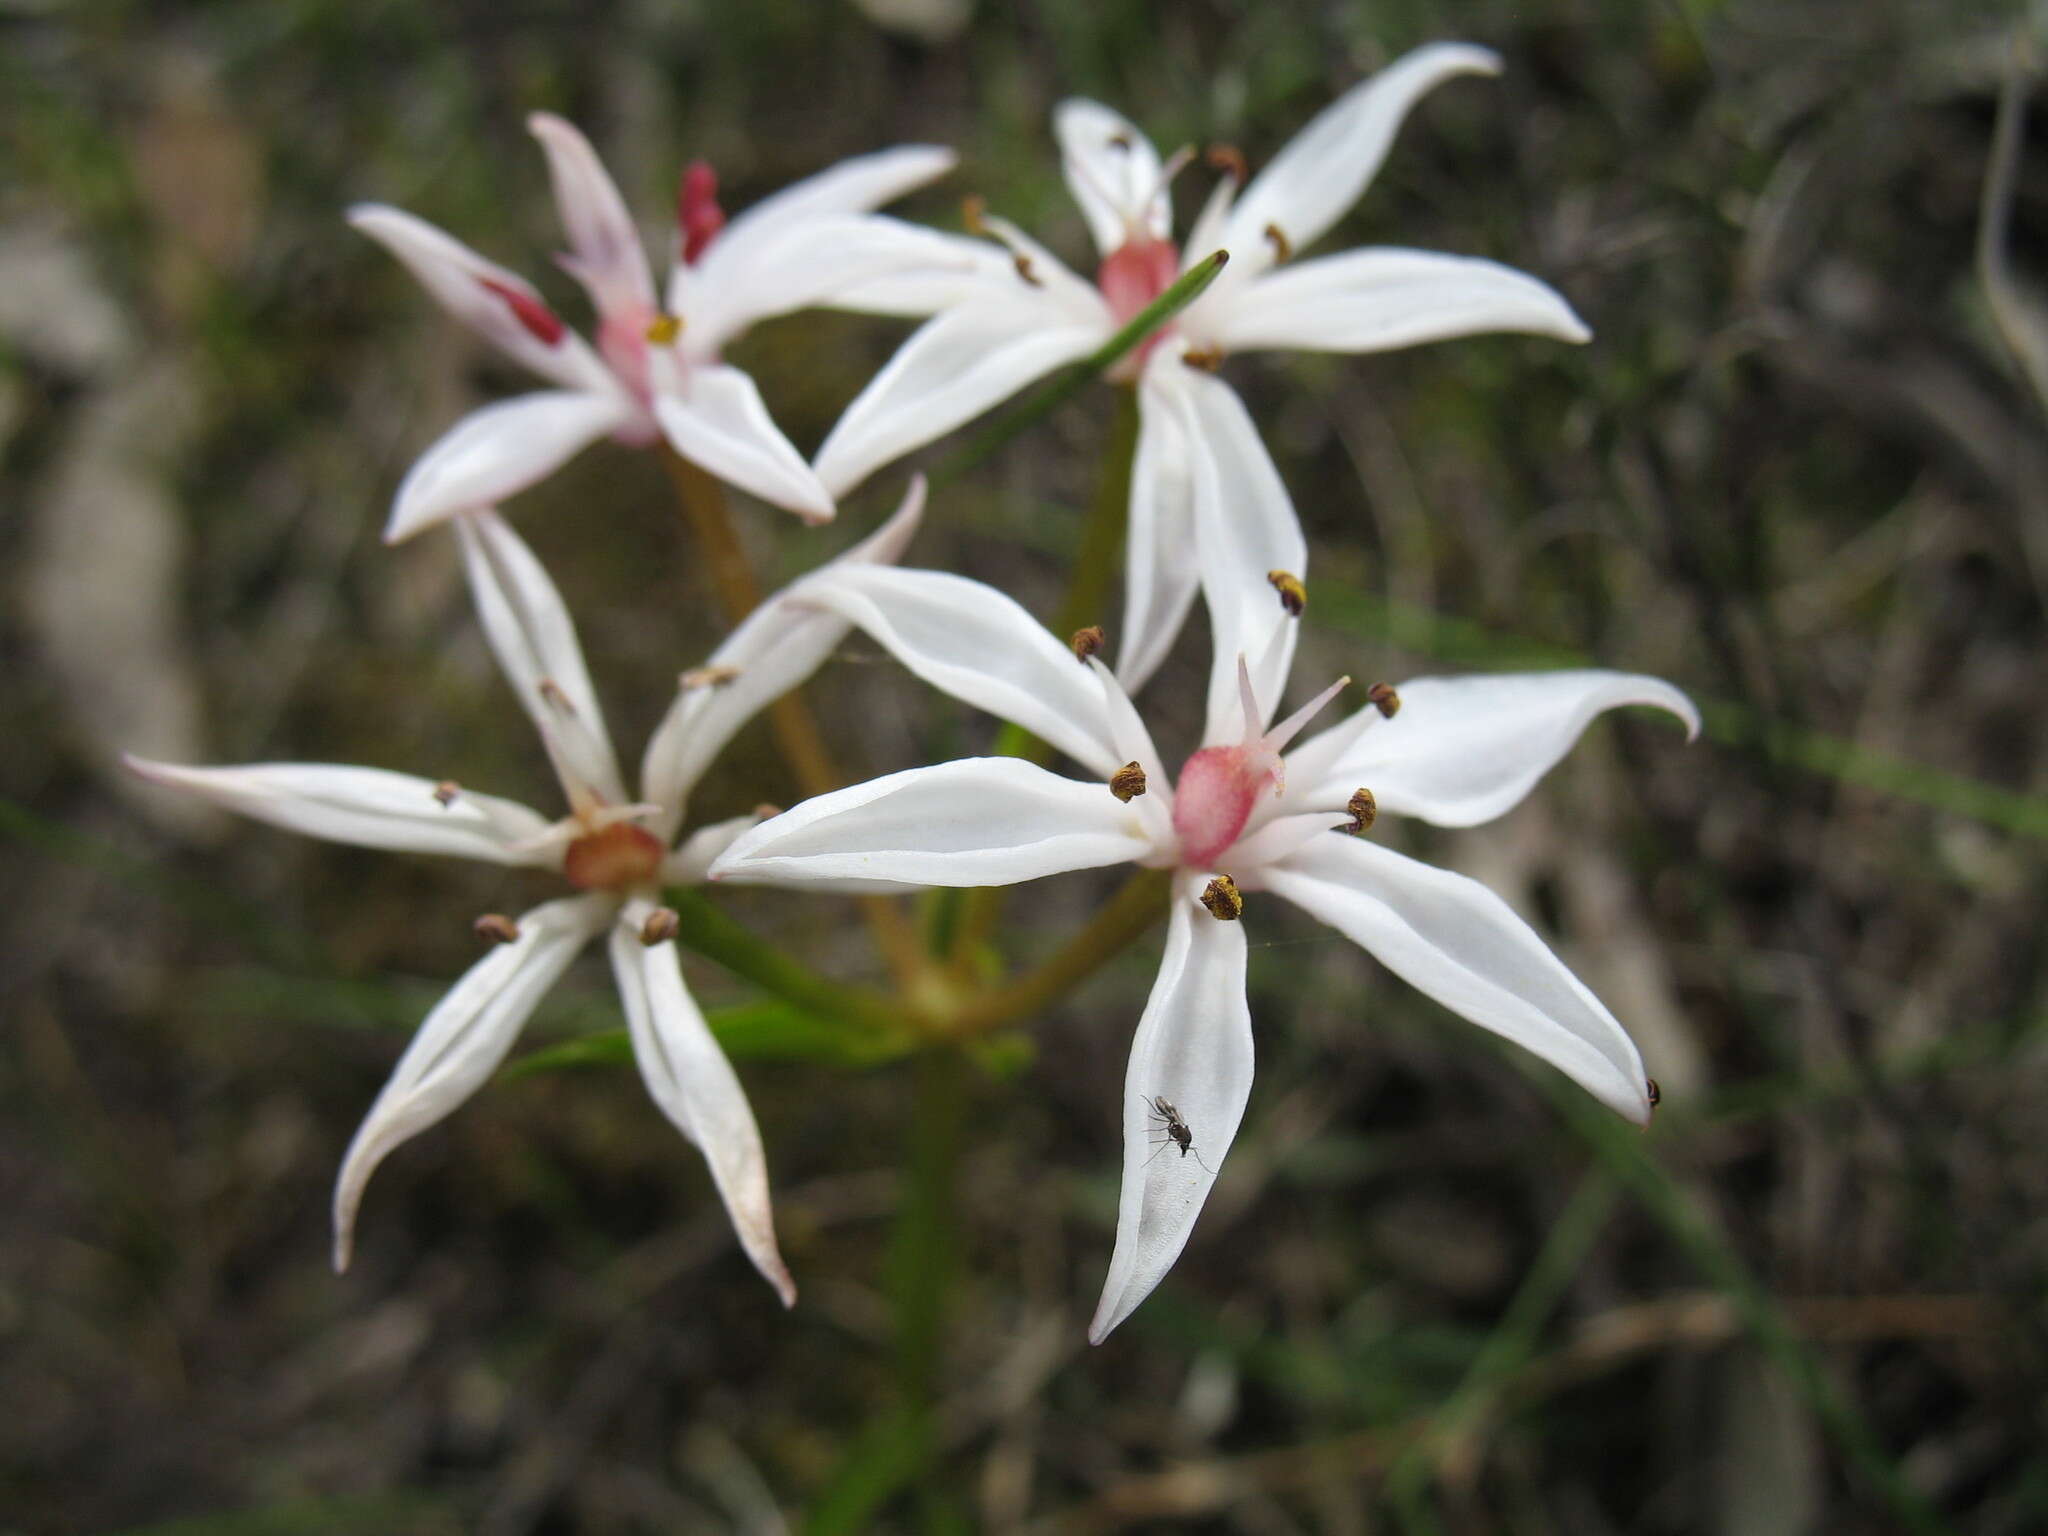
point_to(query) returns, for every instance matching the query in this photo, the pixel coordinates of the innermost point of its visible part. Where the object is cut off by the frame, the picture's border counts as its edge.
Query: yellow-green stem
(1130, 912)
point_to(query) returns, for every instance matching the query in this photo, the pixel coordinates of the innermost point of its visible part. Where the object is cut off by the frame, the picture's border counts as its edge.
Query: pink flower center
(1218, 788)
(613, 858)
(1130, 277)
(698, 215)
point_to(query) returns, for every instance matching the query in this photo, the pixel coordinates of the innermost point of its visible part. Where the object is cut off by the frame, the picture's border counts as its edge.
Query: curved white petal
(530, 631)
(496, 452)
(1193, 1048)
(1377, 299)
(952, 369)
(776, 647)
(969, 640)
(1134, 744)
(606, 254)
(1457, 941)
(367, 807)
(1464, 750)
(695, 1085)
(713, 415)
(461, 1043)
(846, 261)
(1161, 573)
(1323, 169)
(977, 821)
(690, 863)
(1245, 529)
(473, 291)
(1113, 172)
(851, 186)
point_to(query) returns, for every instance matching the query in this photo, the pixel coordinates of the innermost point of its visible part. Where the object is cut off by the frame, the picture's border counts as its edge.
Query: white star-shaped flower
(1240, 817)
(1022, 313)
(618, 852)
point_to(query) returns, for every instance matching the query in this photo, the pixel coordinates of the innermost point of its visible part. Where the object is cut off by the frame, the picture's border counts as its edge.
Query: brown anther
(1223, 899)
(1208, 359)
(445, 793)
(1120, 140)
(1364, 809)
(552, 692)
(1656, 1093)
(1293, 595)
(707, 677)
(664, 329)
(974, 213)
(1228, 157)
(1087, 642)
(1127, 783)
(1025, 270)
(1283, 248)
(1382, 697)
(660, 927)
(496, 928)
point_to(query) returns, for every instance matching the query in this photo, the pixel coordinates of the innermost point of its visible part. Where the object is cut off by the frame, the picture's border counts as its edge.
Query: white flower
(654, 372)
(1456, 751)
(1022, 313)
(616, 851)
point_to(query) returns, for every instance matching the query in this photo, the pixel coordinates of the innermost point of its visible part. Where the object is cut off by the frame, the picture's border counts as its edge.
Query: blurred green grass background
(1798, 471)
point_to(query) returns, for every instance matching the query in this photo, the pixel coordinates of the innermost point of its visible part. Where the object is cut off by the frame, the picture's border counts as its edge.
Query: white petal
(607, 256)
(1245, 528)
(461, 1044)
(1161, 573)
(1133, 743)
(779, 644)
(1378, 299)
(1212, 225)
(1113, 172)
(848, 261)
(951, 370)
(851, 186)
(1464, 750)
(366, 807)
(713, 415)
(691, 863)
(1457, 941)
(494, 453)
(969, 640)
(1193, 1048)
(696, 1088)
(456, 276)
(1325, 167)
(534, 639)
(978, 821)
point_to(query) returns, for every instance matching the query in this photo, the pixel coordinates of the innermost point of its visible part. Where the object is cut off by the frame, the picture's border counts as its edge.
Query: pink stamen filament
(698, 215)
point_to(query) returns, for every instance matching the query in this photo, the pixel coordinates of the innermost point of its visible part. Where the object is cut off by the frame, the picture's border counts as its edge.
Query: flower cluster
(1254, 810)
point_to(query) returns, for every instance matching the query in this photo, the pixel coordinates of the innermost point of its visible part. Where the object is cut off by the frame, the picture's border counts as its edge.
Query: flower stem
(702, 499)
(1130, 912)
(706, 929)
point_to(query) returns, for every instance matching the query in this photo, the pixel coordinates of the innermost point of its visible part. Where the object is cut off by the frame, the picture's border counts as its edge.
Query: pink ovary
(1214, 798)
(1130, 277)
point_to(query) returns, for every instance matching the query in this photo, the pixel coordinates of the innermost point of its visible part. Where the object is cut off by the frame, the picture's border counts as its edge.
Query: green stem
(1185, 290)
(1130, 913)
(702, 927)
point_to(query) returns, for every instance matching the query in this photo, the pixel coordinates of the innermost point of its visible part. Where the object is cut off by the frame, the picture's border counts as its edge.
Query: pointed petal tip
(541, 124)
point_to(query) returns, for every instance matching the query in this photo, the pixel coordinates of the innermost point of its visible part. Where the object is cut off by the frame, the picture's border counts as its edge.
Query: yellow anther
(1208, 359)
(974, 213)
(1128, 782)
(1364, 809)
(1025, 270)
(1293, 595)
(1086, 642)
(664, 329)
(1382, 697)
(1283, 248)
(1228, 157)
(660, 927)
(1223, 899)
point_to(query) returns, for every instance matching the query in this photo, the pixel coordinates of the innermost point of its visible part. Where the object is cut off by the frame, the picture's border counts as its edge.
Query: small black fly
(1171, 1130)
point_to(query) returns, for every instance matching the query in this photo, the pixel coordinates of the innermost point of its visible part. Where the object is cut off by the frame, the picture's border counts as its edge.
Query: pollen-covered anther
(663, 330)
(1382, 697)
(1223, 899)
(496, 928)
(707, 677)
(1283, 248)
(1086, 642)
(1128, 782)
(1364, 809)
(1025, 270)
(1228, 158)
(1293, 595)
(661, 926)
(539, 321)
(974, 213)
(1207, 359)
(446, 793)
(552, 692)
